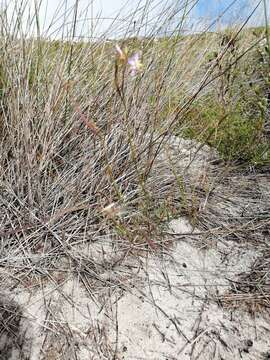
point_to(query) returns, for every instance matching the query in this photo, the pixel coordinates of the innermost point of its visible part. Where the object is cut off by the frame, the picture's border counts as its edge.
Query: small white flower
(112, 210)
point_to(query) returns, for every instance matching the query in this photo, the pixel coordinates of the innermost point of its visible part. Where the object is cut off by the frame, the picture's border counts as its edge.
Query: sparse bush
(233, 115)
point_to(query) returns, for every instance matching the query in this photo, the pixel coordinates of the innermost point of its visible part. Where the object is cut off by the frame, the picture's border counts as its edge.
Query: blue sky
(204, 8)
(52, 13)
(212, 8)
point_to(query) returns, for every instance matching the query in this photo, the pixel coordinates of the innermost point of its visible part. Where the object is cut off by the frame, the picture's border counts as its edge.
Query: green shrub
(235, 134)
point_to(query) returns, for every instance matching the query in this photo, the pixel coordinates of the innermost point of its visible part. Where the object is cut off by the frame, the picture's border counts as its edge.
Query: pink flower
(135, 63)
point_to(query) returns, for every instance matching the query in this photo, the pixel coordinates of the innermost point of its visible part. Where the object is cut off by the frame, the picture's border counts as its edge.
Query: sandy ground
(166, 305)
(156, 308)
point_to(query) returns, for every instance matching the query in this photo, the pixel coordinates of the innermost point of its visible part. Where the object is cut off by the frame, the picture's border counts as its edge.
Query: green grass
(236, 136)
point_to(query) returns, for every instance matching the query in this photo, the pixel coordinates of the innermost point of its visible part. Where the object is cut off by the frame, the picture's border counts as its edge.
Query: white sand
(155, 309)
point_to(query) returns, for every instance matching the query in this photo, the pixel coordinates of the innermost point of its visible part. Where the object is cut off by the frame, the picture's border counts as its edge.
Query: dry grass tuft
(92, 169)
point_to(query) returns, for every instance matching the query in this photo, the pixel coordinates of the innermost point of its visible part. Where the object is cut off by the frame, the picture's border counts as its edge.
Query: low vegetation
(84, 135)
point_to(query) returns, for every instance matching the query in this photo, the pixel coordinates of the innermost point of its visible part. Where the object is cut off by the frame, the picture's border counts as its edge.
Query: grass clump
(80, 133)
(85, 129)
